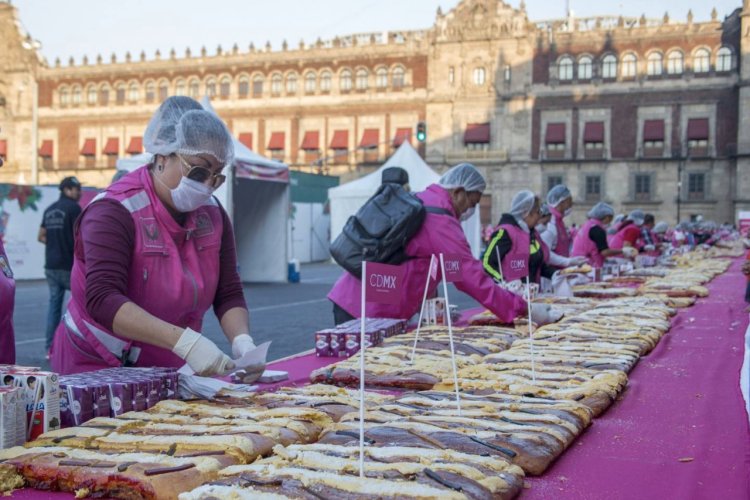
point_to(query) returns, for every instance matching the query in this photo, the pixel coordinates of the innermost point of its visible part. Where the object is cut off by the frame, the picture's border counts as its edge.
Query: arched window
(325, 81)
(585, 67)
(381, 78)
(195, 88)
(179, 87)
(480, 76)
(565, 69)
(163, 90)
(701, 61)
(276, 84)
(133, 92)
(76, 95)
(609, 66)
(64, 96)
(120, 93)
(399, 77)
(150, 92)
(675, 63)
(258, 85)
(211, 87)
(224, 87)
(345, 81)
(91, 95)
(310, 82)
(362, 77)
(629, 65)
(724, 59)
(291, 83)
(655, 64)
(243, 86)
(104, 95)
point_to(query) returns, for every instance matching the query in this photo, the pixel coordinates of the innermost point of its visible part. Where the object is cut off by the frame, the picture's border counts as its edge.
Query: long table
(680, 430)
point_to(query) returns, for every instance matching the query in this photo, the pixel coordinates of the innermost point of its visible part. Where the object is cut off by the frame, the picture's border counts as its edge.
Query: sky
(76, 28)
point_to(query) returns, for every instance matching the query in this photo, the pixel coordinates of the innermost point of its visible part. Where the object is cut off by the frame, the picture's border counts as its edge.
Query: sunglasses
(202, 174)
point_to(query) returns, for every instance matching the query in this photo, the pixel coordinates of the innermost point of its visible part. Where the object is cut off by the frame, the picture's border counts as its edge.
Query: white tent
(347, 198)
(256, 197)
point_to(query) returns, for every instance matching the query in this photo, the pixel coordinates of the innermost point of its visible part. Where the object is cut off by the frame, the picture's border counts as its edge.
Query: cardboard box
(12, 417)
(41, 395)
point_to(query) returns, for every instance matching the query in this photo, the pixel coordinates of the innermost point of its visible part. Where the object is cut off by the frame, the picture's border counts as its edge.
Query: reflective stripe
(495, 273)
(136, 202)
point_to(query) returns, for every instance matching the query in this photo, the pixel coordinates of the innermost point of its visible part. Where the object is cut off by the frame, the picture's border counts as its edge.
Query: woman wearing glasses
(153, 253)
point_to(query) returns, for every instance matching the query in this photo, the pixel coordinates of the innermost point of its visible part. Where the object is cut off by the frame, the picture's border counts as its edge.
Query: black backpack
(380, 229)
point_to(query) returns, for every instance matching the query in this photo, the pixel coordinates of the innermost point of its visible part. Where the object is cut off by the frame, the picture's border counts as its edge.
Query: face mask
(567, 212)
(468, 213)
(190, 194)
(540, 228)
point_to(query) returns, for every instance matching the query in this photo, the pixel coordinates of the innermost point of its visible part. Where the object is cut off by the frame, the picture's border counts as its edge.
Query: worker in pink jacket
(153, 253)
(7, 300)
(458, 191)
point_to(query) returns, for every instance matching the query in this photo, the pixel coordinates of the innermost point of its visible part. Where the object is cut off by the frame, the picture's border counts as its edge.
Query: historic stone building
(634, 111)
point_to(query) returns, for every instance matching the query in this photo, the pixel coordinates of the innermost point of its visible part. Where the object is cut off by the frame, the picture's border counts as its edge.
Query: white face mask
(190, 194)
(467, 215)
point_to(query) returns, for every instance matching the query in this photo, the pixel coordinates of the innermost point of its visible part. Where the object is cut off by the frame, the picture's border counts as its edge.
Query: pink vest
(563, 238)
(515, 264)
(7, 299)
(174, 275)
(583, 246)
(618, 240)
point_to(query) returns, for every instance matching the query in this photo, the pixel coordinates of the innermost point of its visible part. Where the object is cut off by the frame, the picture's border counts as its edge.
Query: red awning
(246, 138)
(136, 145)
(340, 139)
(555, 133)
(112, 147)
(697, 129)
(653, 130)
(3, 147)
(593, 132)
(45, 150)
(477, 133)
(277, 141)
(311, 141)
(402, 135)
(89, 147)
(370, 138)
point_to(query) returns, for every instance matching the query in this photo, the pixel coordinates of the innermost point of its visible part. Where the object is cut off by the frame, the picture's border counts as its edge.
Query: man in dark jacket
(56, 233)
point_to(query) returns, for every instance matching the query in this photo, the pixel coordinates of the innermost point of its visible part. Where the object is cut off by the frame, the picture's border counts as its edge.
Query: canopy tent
(256, 197)
(347, 198)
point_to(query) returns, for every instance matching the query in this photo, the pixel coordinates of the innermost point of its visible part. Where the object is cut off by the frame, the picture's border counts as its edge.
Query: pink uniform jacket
(173, 275)
(515, 264)
(7, 300)
(583, 246)
(563, 237)
(438, 234)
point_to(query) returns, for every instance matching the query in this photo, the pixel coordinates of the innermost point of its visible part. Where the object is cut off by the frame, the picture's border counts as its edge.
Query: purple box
(120, 397)
(338, 343)
(323, 343)
(140, 393)
(100, 395)
(76, 404)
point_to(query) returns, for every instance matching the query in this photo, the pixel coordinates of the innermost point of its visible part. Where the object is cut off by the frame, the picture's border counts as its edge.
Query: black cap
(396, 175)
(69, 182)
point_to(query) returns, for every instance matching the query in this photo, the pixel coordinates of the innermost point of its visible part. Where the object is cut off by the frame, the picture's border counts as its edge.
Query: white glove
(241, 345)
(578, 260)
(541, 314)
(201, 354)
(629, 252)
(649, 248)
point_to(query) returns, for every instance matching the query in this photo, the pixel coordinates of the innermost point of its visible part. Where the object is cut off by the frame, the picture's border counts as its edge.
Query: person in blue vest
(515, 249)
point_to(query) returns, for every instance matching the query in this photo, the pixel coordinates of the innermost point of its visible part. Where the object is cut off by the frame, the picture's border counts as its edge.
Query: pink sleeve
(105, 240)
(448, 237)
(229, 291)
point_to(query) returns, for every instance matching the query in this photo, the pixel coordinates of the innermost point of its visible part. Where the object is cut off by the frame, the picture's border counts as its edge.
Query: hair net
(618, 218)
(600, 211)
(684, 226)
(463, 175)
(544, 210)
(661, 227)
(637, 217)
(522, 204)
(558, 194)
(181, 125)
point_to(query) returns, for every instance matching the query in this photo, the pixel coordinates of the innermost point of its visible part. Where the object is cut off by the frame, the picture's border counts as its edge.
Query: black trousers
(340, 315)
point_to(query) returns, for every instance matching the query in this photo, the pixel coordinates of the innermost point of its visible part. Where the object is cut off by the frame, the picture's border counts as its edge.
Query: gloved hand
(649, 248)
(541, 314)
(201, 354)
(629, 252)
(241, 345)
(578, 260)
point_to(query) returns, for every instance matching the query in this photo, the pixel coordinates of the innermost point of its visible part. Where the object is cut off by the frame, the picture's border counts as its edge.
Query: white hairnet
(558, 194)
(600, 211)
(181, 125)
(522, 204)
(637, 216)
(661, 227)
(463, 175)
(544, 210)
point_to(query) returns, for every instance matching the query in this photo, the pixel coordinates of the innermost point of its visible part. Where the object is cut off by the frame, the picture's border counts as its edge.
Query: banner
(453, 268)
(383, 283)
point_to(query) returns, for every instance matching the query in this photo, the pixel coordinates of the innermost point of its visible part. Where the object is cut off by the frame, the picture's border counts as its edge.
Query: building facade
(633, 111)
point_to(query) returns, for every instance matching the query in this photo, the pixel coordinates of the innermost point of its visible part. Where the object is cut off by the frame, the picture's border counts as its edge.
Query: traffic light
(421, 131)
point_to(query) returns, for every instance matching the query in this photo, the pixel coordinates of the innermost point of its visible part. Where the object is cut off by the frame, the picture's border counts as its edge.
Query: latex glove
(578, 260)
(541, 314)
(241, 345)
(201, 354)
(649, 248)
(629, 252)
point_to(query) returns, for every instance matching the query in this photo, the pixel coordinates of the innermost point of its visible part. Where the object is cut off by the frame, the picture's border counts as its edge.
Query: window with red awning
(45, 150)
(340, 139)
(246, 138)
(311, 141)
(112, 147)
(477, 133)
(555, 133)
(89, 147)
(277, 141)
(593, 132)
(653, 130)
(135, 146)
(3, 148)
(697, 129)
(402, 135)
(370, 138)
